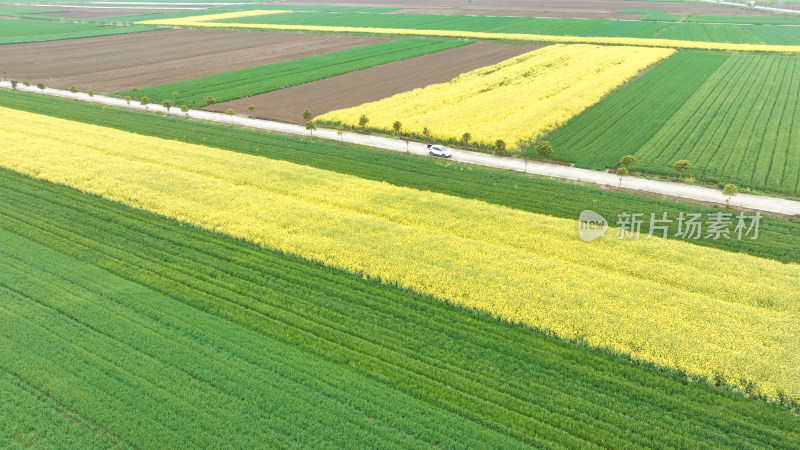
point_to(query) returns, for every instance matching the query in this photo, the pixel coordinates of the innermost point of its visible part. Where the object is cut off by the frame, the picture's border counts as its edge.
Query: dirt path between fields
(117, 63)
(375, 83)
(678, 190)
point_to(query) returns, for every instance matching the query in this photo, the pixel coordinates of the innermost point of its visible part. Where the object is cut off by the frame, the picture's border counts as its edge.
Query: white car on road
(439, 150)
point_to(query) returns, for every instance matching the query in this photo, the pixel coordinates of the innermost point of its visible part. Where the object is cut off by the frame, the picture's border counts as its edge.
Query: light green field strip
(704, 311)
(206, 21)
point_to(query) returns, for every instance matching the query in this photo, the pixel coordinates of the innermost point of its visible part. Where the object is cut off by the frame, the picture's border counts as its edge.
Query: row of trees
(681, 166)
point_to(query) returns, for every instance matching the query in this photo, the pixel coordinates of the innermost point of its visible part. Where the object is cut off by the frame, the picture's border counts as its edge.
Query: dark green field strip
(29, 419)
(257, 80)
(738, 127)
(701, 32)
(777, 239)
(623, 123)
(16, 31)
(154, 304)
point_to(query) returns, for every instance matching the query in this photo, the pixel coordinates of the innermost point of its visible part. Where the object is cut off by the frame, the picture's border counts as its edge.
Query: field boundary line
(668, 188)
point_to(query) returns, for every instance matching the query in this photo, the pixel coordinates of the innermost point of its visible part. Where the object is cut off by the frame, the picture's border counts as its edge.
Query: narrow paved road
(698, 193)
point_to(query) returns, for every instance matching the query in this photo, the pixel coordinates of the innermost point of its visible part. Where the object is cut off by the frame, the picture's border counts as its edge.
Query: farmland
(200, 277)
(504, 102)
(738, 126)
(623, 123)
(14, 31)
(256, 80)
(375, 83)
(689, 35)
(732, 116)
(315, 214)
(217, 304)
(778, 239)
(183, 55)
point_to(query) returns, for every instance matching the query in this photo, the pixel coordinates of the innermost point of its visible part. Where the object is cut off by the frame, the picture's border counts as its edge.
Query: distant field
(430, 21)
(699, 32)
(777, 20)
(13, 31)
(183, 55)
(257, 80)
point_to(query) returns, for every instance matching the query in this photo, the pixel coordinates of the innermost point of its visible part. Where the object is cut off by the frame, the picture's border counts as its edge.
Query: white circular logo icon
(591, 225)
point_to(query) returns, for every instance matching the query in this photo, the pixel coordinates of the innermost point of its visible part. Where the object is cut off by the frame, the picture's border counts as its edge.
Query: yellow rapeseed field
(205, 21)
(516, 100)
(705, 311)
(194, 20)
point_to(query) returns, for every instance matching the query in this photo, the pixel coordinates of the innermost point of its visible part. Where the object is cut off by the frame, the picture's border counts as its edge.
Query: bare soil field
(583, 9)
(117, 63)
(375, 83)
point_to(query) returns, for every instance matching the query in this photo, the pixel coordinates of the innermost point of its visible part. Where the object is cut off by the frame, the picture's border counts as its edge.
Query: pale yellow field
(701, 310)
(517, 100)
(205, 21)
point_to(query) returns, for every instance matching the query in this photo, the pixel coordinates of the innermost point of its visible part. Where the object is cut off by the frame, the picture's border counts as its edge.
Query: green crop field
(15, 31)
(738, 127)
(778, 239)
(256, 80)
(731, 116)
(143, 332)
(624, 122)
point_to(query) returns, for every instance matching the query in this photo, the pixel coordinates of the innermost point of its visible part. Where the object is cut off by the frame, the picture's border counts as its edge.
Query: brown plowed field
(583, 9)
(117, 63)
(375, 83)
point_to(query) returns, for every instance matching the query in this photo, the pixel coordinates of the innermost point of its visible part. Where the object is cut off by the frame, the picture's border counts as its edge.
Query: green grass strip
(16, 31)
(257, 80)
(778, 239)
(119, 314)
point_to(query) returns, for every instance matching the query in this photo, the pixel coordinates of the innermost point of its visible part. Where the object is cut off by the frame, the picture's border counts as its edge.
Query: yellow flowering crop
(516, 100)
(699, 309)
(204, 21)
(195, 20)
